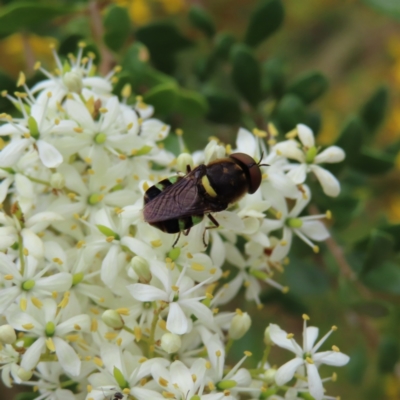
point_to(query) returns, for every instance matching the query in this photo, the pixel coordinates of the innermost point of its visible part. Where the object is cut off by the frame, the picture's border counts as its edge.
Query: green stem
(21, 254)
(151, 342)
(36, 180)
(228, 345)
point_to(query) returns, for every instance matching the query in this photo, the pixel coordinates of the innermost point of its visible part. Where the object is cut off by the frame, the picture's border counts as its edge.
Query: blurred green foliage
(209, 80)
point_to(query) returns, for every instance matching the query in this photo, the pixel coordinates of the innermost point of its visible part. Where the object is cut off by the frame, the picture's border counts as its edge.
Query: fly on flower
(176, 204)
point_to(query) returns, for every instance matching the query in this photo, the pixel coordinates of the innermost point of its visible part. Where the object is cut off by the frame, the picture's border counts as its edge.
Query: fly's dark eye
(250, 168)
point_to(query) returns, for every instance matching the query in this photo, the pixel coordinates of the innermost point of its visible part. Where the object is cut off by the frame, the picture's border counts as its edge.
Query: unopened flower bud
(57, 180)
(183, 160)
(73, 81)
(142, 269)
(112, 319)
(7, 334)
(170, 342)
(269, 375)
(23, 374)
(240, 324)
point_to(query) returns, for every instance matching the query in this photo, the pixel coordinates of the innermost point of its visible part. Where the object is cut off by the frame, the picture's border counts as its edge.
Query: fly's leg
(176, 240)
(216, 225)
(186, 232)
(188, 169)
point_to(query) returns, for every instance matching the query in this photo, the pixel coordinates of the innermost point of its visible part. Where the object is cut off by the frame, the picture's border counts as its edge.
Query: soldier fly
(175, 204)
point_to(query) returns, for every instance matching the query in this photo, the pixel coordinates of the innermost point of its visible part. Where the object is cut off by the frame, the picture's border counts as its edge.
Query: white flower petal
(181, 376)
(246, 142)
(42, 220)
(334, 358)
(142, 292)
(4, 186)
(298, 173)
(67, 357)
(109, 270)
(311, 337)
(289, 149)
(279, 337)
(10, 155)
(177, 321)
(330, 185)
(79, 323)
(32, 355)
(56, 282)
(33, 243)
(306, 135)
(49, 155)
(314, 382)
(315, 230)
(286, 372)
(332, 154)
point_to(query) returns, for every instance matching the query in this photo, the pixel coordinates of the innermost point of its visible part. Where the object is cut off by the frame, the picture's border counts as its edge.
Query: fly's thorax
(225, 181)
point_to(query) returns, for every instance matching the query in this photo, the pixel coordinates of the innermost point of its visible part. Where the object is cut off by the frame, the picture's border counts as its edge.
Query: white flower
(31, 284)
(306, 356)
(46, 324)
(309, 158)
(178, 291)
(306, 228)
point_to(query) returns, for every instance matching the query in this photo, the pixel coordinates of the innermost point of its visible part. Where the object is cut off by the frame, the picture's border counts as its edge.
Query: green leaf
(26, 396)
(373, 161)
(163, 41)
(246, 74)
(265, 20)
(223, 44)
(305, 278)
(379, 249)
(389, 7)
(289, 302)
(8, 84)
(373, 111)
(384, 279)
(191, 104)
(117, 26)
(372, 308)
(202, 20)
(358, 364)
(290, 111)
(163, 97)
(223, 108)
(351, 138)
(394, 231)
(25, 15)
(273, 77)
(388, 354)
(309, 86)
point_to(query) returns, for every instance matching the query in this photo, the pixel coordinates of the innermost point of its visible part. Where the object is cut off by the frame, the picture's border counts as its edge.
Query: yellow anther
(305, 317)
(21, 79)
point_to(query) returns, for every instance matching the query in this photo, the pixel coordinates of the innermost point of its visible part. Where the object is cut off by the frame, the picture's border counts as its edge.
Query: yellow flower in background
(143, 11)
(20, 52)
(173, 6)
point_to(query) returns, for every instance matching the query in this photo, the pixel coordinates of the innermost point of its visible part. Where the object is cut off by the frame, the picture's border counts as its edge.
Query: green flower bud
(57, 180)
(33, 127)
(7, 334)
(23, 374)
(112, 319)
(73, 81)
(28, 285)
(174, 253)
(100, 138)
(106, 231)
(228, 384)
(142, 269)
(310, 155)
(170, 342)
(50, 329)
(294, 222)
(240, 324)
(77, 278)
(269, 375)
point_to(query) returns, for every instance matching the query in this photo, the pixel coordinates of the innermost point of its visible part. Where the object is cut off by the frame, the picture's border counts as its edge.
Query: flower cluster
(95, 301)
